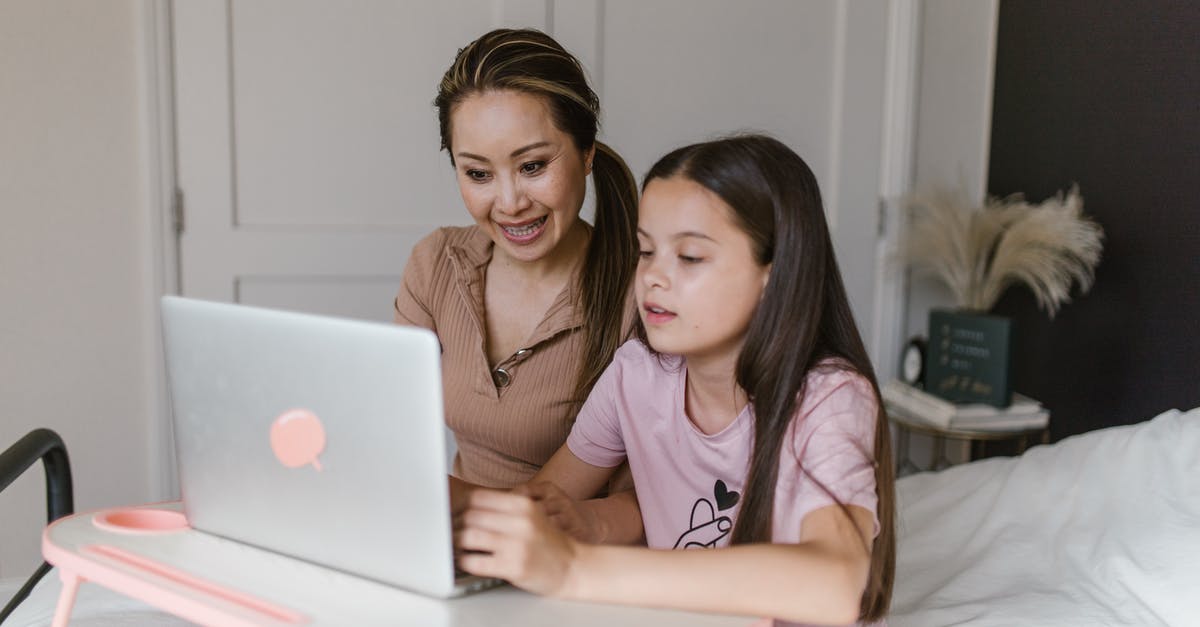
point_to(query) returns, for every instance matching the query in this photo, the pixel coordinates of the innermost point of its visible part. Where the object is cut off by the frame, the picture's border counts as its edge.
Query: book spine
(1018, 421)
(910, 401)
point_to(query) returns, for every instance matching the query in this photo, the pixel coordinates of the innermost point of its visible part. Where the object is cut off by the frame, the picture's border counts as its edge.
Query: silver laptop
(316, 437)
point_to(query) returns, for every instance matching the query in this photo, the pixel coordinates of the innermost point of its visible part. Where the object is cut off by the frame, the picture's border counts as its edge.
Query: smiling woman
(531, 302)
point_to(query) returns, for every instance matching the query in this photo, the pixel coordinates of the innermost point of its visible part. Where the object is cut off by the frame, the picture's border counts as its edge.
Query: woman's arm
(615, 519)
(460, 495)
(412, 303)
(820, 579)
(563, 488)
(577, 479)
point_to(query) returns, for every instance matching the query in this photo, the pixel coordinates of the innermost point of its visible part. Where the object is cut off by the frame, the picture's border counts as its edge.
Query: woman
(531, 302)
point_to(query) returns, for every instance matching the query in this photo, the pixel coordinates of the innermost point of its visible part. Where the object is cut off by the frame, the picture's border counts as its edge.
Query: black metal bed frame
(45, 445)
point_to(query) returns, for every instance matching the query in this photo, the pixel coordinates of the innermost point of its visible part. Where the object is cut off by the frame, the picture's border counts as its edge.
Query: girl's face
(698, 282)
(522, 179)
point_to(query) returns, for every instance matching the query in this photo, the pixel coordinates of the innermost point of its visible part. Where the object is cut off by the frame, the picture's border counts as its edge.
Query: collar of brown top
(470, 259)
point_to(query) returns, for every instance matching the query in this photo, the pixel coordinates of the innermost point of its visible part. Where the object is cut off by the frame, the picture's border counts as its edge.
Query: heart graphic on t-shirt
(726, 498)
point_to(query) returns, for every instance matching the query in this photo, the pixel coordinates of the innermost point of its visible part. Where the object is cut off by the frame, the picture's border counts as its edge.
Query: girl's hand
(514, 540)
(572, 517)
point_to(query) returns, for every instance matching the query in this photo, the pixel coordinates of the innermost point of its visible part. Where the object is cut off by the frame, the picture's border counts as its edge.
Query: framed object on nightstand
(969, 357)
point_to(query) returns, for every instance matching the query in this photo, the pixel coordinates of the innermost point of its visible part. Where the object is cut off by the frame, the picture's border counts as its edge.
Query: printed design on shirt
(706, 527)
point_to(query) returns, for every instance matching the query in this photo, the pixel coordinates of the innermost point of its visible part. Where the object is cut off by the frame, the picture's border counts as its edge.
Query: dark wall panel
(1106, 94)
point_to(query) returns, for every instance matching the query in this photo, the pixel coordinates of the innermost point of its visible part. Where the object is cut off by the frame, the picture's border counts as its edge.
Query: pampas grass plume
(979, 252)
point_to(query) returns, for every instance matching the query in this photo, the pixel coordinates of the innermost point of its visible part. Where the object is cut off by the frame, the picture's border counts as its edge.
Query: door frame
(159, 237)
(896, 171)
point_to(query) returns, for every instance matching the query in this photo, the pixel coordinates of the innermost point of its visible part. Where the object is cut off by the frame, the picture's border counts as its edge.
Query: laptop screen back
(316, 437)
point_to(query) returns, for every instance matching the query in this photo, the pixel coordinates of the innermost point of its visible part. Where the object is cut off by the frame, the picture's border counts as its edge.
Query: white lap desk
(212, 580)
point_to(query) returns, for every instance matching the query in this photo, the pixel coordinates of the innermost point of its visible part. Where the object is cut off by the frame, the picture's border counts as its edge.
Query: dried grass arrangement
(979, 252)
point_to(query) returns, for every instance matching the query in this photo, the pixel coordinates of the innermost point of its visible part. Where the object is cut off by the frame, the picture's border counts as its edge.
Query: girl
(746, 408)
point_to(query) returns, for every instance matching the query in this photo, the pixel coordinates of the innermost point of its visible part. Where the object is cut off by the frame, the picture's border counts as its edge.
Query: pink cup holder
(140, 521)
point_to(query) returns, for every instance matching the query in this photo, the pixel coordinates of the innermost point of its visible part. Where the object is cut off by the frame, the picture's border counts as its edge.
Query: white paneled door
(307, 143)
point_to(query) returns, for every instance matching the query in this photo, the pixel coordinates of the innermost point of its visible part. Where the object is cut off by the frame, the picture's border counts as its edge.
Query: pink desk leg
(66, 598)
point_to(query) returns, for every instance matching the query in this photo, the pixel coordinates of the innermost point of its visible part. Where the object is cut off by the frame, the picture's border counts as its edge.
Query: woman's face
(522, 179)
(698, 282)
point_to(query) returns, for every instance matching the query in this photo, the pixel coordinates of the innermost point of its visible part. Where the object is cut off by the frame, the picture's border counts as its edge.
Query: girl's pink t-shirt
(689, 484)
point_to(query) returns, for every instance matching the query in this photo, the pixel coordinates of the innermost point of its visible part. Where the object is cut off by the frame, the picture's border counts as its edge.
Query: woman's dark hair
(804, 317)
(531, 62)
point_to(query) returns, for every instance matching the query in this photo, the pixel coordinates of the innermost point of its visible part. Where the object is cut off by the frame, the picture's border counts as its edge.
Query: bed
(1099, 529)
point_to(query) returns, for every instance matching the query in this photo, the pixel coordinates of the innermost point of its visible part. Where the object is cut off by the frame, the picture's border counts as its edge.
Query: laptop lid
(321, 438)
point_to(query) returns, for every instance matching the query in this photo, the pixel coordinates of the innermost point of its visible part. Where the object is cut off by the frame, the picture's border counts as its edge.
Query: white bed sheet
(1098, 529)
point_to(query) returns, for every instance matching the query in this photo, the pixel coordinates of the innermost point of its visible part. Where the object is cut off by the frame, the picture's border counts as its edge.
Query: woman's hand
(509, 537)
(574, 518)
(460, 493)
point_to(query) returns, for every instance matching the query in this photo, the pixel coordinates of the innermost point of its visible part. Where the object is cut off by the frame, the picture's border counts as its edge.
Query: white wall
(75, 260)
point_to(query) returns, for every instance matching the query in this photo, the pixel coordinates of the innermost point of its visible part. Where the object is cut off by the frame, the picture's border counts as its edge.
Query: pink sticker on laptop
(297, 437)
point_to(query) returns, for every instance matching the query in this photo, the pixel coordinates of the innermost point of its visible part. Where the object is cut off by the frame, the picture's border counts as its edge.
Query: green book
(968, 359)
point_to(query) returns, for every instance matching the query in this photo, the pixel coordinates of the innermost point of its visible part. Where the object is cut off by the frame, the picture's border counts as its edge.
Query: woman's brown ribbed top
(505, 433)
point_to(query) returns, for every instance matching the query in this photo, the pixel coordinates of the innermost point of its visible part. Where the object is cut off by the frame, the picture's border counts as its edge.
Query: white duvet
(1098, 529)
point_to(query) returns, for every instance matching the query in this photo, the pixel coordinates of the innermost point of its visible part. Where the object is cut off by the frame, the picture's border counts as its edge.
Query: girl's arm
(562, 486)
(821, 579)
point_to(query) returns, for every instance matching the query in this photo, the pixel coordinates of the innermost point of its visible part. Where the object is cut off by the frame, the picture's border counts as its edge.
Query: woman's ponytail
(609, 265)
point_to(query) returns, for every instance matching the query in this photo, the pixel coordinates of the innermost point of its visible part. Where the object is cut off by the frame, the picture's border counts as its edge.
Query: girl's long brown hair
(804, 317)
(530, 61)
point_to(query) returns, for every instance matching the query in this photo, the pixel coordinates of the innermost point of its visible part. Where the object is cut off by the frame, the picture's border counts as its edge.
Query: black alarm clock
(912, 362)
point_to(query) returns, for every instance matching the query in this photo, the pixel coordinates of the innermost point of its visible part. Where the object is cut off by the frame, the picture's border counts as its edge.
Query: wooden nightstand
(907, 424)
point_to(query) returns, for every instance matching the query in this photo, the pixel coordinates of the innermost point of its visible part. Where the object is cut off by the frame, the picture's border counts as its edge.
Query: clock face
(912, 367)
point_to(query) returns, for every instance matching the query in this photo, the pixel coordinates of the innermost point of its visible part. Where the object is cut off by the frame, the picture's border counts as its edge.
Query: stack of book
(1023, 413)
